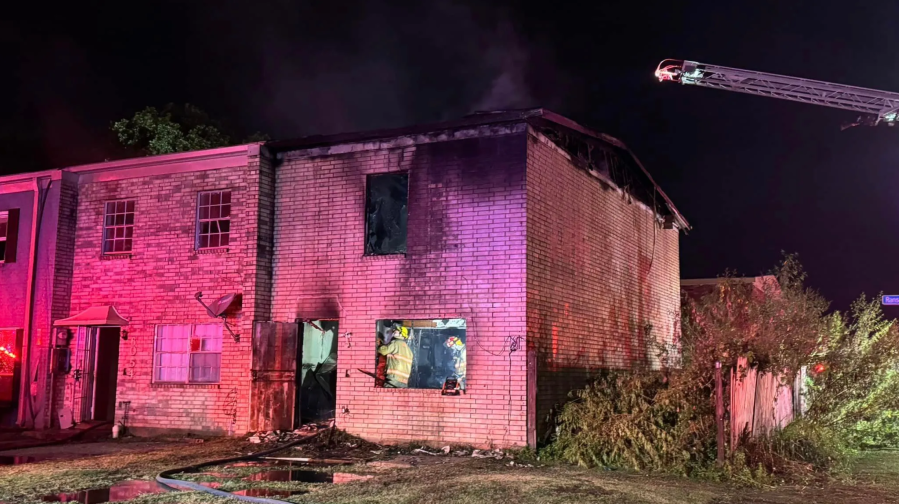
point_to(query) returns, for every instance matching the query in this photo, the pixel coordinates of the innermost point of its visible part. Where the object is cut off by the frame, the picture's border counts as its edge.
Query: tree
(854, 383)
(174, 129)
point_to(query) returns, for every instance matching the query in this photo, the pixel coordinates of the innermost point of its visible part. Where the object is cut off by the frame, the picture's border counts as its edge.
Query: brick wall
(156, 285)
(63, 270)
(466, 257)
(602, 279)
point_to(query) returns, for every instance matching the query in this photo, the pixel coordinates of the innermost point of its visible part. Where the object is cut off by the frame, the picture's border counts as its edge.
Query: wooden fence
(762, 402)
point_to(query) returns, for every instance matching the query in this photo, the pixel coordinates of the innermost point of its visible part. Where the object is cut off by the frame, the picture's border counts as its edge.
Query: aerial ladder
(876, 107)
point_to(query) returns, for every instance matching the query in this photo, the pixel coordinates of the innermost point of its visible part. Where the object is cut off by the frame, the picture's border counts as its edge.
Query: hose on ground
(169, 483)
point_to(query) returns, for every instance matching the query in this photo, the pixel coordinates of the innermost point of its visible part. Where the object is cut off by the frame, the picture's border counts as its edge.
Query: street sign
(890, 300)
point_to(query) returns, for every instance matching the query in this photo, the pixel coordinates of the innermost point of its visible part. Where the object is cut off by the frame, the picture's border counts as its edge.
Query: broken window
(386, 212)
(421, 354)
(214, 219)
(190, 353)
(9, 230)
(118, 227)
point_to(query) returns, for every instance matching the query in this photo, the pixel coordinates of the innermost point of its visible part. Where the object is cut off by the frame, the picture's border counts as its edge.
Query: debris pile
(446, 450)
(283, 436)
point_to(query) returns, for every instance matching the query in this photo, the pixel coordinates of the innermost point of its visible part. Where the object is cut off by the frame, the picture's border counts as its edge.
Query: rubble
(496, 454)
(282, 436)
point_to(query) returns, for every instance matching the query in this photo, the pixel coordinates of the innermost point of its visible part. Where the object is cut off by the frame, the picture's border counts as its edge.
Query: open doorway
(317, 390)
(10, 375)
(100, 370)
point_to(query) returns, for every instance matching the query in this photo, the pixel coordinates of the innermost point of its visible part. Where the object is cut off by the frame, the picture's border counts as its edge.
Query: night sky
(754, 176)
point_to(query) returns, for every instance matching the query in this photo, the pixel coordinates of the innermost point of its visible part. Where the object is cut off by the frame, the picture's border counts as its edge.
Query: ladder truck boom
(877, 107)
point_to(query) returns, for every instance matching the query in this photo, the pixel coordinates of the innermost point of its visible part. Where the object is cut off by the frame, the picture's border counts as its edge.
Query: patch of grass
(20, 483)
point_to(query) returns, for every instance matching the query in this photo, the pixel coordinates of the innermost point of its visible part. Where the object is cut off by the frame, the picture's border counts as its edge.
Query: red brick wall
(598, 274)
(62, 282)
(156, 285)
(466, 256)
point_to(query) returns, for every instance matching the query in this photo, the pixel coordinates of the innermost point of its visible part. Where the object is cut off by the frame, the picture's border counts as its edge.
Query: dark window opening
(118, 227)
(386, 213)
(9, 230)
(420, 354)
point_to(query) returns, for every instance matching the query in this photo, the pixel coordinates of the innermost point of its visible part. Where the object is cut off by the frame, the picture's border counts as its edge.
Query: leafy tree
(174, 129)
(854, 383)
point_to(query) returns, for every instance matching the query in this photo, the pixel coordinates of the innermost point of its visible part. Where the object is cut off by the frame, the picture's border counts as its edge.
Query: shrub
(855, 388)
(666, 421)
(635, 420)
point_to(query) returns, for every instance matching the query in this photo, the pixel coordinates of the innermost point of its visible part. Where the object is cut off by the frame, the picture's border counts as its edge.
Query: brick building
(518, 250)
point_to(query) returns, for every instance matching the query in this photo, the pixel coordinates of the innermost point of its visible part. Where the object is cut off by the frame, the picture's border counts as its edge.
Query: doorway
(100, 373)
(10, 375)
(317, 390)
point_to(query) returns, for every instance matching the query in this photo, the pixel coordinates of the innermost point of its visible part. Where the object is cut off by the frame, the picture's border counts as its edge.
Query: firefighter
(399, 356)
(459, 358)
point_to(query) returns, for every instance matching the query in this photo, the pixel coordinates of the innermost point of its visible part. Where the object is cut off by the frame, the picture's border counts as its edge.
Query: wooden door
(274, 375)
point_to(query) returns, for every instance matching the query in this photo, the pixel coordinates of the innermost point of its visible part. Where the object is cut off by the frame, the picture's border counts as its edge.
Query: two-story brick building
(519, 252)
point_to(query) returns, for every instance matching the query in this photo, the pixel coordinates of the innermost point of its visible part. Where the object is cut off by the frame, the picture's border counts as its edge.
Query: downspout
(25, 396)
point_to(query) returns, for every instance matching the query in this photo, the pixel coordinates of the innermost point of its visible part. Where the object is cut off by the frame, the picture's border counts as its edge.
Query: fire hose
(169, 484)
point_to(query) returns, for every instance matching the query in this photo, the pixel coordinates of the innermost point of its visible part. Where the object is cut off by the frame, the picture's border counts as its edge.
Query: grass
(443, 480)
(26, 482)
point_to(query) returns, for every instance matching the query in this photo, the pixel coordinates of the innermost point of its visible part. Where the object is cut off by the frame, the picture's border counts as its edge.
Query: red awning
(94, 316)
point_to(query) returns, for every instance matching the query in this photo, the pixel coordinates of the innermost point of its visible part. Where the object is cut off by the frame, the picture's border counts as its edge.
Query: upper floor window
(9, 231)
(118, 227)
(386, 213)
(214, 219)
(189, 353)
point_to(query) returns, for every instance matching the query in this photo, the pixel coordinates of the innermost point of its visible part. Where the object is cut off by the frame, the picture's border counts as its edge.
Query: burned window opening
(611, 162)
(386, 212)
(421, 354)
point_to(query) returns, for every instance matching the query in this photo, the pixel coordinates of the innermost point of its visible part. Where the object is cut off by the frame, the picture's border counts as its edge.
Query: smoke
(371, 64)
(508, 57)
(281, 67)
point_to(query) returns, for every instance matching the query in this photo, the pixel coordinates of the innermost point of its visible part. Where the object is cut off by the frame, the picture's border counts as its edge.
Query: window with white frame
(189, 353)
(213, 219)
(118, 227)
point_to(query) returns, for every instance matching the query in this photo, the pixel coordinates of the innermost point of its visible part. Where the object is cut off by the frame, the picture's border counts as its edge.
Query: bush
(880, 431)
(665, 421)
(801, 448)
(635, 420)
(855, 388)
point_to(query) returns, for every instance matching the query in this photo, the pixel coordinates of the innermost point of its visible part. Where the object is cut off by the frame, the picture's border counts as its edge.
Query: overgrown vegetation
(174, 129)
(855, 388)
(664, 420)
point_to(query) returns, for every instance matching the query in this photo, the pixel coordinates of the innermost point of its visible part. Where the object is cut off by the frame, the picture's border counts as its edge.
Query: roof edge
(163, 159)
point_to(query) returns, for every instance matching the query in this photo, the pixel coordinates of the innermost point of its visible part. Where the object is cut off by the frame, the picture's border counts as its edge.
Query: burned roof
(600, 154)
(696, 288)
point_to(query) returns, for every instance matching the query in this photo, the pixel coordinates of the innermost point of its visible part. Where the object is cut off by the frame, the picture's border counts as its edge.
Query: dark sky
(754, 176)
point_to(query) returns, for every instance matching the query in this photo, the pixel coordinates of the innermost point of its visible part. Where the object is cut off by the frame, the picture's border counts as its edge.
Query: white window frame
(192, 333)
(214, 220)
(113, 227)
(4, 216)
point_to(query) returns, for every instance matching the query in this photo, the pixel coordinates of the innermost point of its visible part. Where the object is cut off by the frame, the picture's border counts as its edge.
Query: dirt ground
(400, 476)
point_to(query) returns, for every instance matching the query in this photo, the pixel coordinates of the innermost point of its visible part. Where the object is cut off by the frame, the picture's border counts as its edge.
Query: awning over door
(94, 316)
